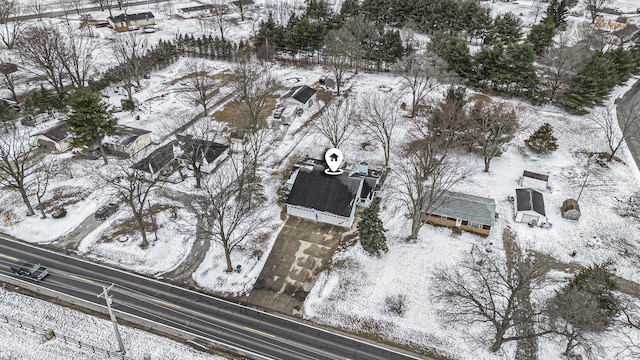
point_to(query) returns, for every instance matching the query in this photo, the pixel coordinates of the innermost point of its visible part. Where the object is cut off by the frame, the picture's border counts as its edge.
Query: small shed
(529, 205)
(534, 180)
(571, 209)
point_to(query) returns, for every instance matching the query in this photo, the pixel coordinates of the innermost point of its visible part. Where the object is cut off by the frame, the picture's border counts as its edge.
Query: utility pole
(107, 297)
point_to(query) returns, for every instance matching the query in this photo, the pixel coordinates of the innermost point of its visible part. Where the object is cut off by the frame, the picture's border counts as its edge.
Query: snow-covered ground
(17, 343)
(352, 294)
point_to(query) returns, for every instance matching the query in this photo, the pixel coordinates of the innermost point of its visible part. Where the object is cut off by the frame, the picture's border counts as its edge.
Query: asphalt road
(630, 97)
(114, 9)
(266, 335)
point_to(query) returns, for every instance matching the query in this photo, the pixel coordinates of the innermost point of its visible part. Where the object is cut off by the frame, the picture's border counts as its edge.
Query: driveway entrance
(301, 251)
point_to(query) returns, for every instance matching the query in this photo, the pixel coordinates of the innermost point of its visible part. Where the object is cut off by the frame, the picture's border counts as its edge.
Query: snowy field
(23, 344)
(351, 294)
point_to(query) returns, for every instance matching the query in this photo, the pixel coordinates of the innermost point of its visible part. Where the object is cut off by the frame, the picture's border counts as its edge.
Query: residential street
(166, 308)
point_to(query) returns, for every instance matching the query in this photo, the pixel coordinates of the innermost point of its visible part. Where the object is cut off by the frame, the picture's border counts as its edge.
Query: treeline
(166, 53)
(576, 76)
(306, 34)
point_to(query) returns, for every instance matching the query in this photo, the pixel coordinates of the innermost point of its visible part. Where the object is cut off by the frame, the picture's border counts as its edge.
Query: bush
(542, 140)
(127, 105)
(396, 304)
(59, 213)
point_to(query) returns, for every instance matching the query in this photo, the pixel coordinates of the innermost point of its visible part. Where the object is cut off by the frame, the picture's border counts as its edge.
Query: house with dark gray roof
(126, 22)
(56, 137)
(333, 199)
(529, 206)
(127, 141)
(204, 153)
(468, 212)
(296, 101)
(159, 163)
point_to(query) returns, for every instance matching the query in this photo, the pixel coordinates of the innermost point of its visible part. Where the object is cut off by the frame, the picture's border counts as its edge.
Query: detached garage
(530, 207)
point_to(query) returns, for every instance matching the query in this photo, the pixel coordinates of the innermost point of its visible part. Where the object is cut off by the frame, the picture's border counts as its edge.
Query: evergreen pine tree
(542, 140)
(371, 230)
(541, 35)
(592, 86)
(90, 120)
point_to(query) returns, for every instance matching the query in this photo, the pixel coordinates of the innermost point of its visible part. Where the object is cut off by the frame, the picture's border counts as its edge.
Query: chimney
(363, 168)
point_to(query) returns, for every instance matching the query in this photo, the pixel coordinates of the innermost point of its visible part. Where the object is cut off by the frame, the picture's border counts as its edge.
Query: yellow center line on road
(81, 279)
(161, 302)
(8, 257)
(259, 332)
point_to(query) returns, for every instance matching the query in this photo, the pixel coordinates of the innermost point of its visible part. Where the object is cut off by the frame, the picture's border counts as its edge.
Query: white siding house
(126, 22)
(529, 206)
(127, 141)
(332, 199)
(296, 101)
(56, 138)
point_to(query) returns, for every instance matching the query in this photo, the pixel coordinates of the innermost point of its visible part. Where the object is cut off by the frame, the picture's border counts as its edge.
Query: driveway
(302, 250)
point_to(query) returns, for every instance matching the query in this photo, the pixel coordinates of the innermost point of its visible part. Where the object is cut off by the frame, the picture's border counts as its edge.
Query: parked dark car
(33, 271)
(105, 211)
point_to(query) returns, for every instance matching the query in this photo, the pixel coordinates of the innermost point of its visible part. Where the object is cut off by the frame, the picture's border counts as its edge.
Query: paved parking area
(301, 251)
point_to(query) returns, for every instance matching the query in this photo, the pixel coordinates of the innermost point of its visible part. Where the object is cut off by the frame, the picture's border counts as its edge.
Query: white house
(126, 22)
(56, 137)
(533, 180)
(196, 11)
(332, 199)
(529, 205)
(296, 101)
(127, 141)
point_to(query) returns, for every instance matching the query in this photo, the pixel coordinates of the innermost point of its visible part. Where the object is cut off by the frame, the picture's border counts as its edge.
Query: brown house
(467, 212)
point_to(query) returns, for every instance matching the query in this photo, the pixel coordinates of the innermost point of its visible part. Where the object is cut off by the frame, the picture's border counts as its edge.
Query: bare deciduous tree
(10, 24)
(595, 7)
(495, 125)
(483, 289)
(16, 156)
(560, 64)
(338, 122)
(40, 182)
(423, 174)
(197, 143)
(39, 47)
(618, 126)
(379, 118)
(254, 86)
(199, 85)
(129, 49)
(219, 19)
(576, 316)
(419, 77)
(337, 54)
(36, 7)
(77, 55)
(449, 121)
(132, 187)
(231, 211)
(10, 76)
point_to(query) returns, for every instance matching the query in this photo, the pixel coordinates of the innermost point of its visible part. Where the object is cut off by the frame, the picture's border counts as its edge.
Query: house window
(465, 222)
(486, 227)
(475, 225)
(450, 218)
